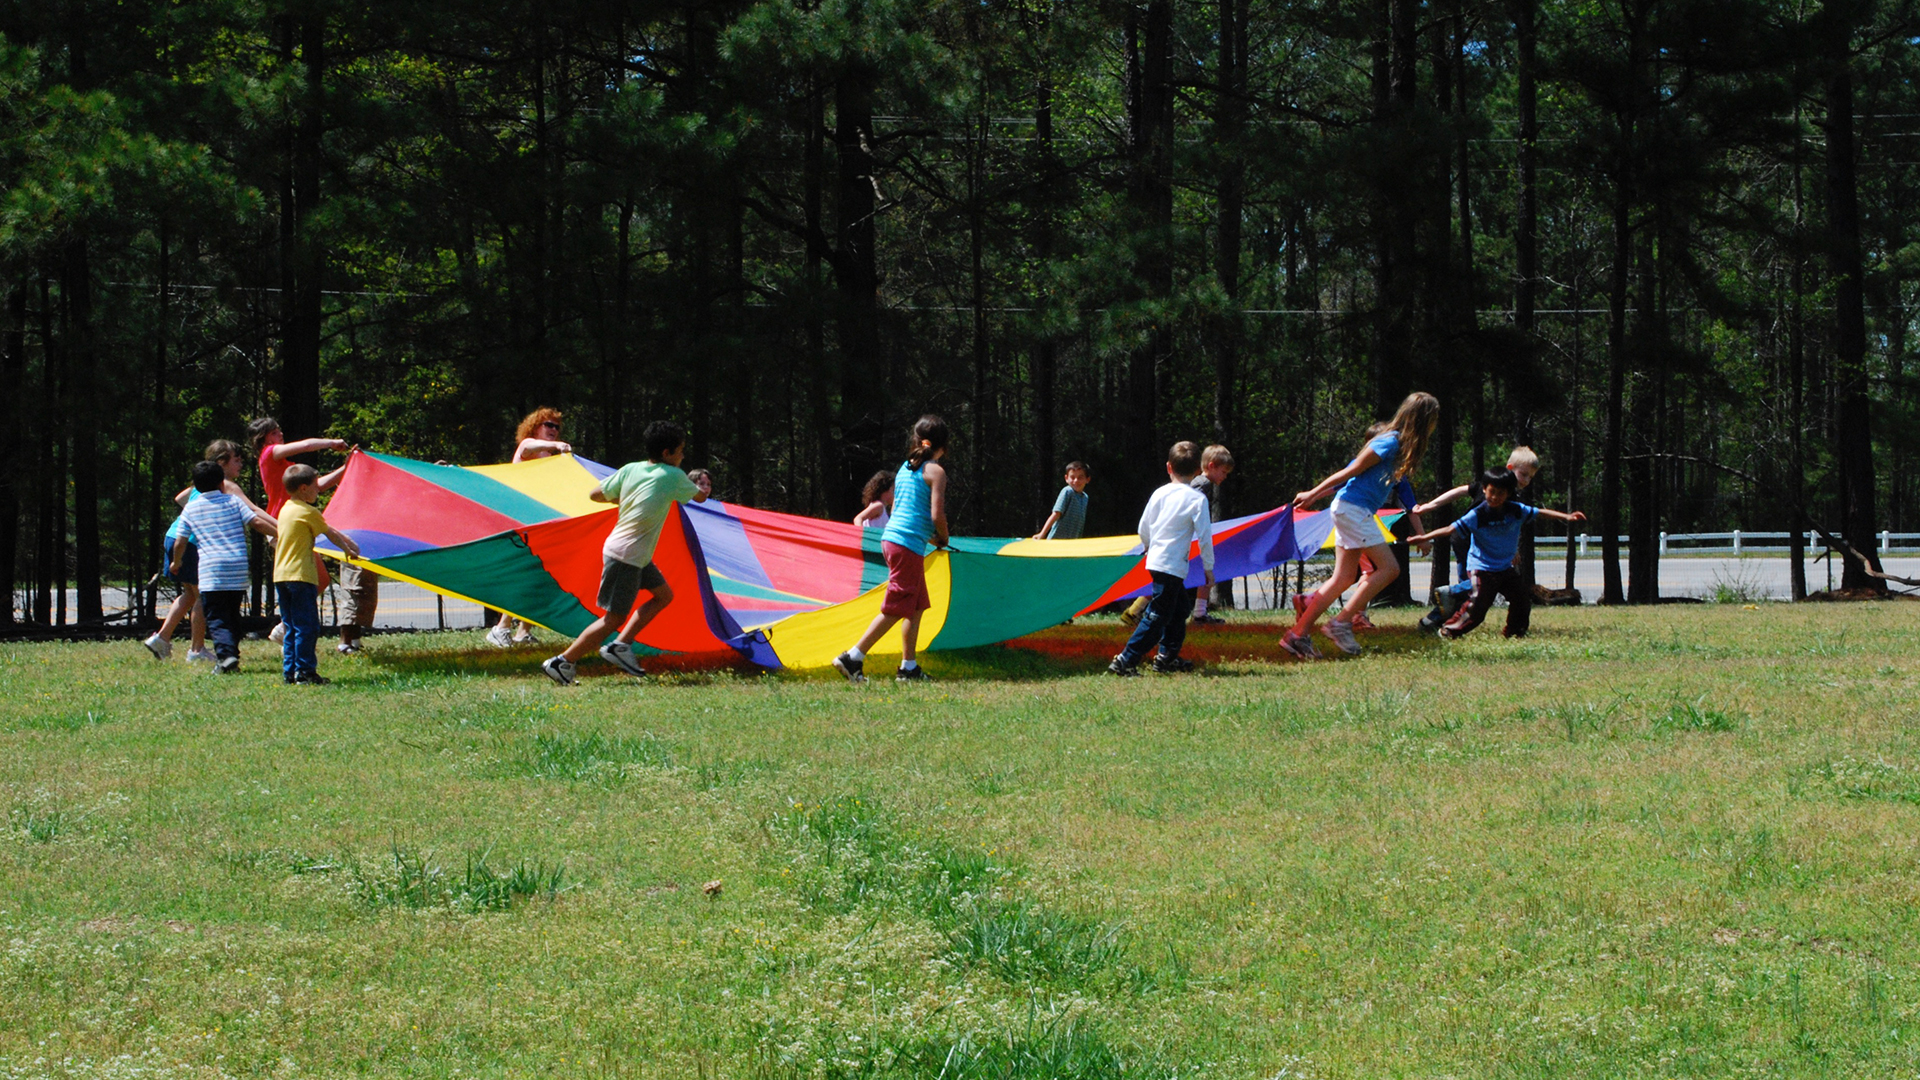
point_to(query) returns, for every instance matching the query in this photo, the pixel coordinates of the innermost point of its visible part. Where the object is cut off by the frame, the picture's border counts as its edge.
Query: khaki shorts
(362, 600)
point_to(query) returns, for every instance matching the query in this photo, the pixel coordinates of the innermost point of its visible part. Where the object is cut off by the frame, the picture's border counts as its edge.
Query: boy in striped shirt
(215, 524)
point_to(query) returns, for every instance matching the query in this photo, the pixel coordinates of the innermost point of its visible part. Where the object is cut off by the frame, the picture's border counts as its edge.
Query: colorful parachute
(778, 589)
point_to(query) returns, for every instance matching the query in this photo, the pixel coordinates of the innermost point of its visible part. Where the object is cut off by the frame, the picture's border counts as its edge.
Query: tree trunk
(1526, 240)
(1044, 353)
(156, 423)
(13, 365)
(1853, 433)
(1796, 397)
(1230, 124)
(302, 257)
(1609, 518)
(49, 427)
(1150, 195)
(76, 290)
(857, 275)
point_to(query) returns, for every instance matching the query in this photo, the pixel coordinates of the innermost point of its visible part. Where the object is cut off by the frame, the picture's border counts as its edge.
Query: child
(1216, 464)
(703, 480)
(227, 455)
(646, 492)
(1524, 464)
(539, 436)
(876, 501)
(920, 515)
(1175, 517)
(296, 584)
(1494, 527)
(362, 587)
(276, 455)
(1069, 518)
(1362, 487)
(215, 526)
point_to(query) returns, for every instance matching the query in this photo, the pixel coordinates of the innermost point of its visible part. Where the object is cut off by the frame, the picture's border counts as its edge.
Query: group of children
(206, 549)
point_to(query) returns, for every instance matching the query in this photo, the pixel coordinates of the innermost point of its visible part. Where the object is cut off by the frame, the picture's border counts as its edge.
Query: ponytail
(929, 434)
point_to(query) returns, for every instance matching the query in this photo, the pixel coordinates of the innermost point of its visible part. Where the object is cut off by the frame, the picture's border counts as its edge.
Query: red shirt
(273, 473)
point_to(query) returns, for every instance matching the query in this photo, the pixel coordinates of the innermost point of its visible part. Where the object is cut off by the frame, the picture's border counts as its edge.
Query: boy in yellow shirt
(295, 581)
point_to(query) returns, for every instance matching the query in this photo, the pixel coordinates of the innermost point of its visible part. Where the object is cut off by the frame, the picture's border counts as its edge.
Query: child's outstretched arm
(937, 480)
(1441, 499)
(1431, 536)
(1556, 515)
(1051, 518)
(185, 494)
(285, 450)
(343, 542)
(329, 480)
(555, 445)
(1367, 460)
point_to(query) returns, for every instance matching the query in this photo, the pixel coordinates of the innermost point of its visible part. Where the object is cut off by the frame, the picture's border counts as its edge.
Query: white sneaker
(160, 649)
(500, 637)
(620, 655)
(201, 656)
(278, 634)
(1341, 634)
(560, 670)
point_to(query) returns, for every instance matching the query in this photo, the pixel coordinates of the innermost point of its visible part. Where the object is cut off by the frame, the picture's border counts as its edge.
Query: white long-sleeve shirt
(1175, 517)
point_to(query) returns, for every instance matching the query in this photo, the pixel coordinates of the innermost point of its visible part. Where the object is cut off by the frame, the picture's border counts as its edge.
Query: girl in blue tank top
(919, 516)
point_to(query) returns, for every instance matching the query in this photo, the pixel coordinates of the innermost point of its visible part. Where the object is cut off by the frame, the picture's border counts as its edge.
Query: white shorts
(1354, 527)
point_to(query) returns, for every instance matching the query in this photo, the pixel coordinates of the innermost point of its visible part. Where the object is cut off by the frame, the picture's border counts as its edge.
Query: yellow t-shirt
(293, 555)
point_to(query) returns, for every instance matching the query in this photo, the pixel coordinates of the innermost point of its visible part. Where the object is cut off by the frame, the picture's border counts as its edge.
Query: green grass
(1669, 842)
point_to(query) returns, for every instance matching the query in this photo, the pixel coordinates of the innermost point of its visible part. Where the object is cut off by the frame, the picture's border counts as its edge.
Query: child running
(919, 516)
(1175, 517)
(1494, 527)
(215, 526)
(296, 583)
(1361, 488)
(646, 492)
(1524, 464)
(228, 456)
(876, 501)
(1069, 518)
(1216, 464)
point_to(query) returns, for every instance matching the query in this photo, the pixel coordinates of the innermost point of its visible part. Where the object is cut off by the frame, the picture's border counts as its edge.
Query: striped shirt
(217, 522)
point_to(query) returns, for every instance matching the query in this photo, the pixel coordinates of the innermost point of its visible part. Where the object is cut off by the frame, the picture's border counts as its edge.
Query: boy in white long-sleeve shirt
(1175, 517)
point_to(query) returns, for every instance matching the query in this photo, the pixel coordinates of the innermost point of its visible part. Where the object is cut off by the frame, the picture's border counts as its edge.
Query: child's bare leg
(187, 601)
(880, 625)
(1385, 569)
(909, 637)
(588, 641)
(1346, 570)
(198, 622)
(656, 603)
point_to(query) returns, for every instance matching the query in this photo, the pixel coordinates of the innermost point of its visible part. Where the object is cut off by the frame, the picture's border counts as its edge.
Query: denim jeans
(1165, 621)
(223, 620)
(300, 611)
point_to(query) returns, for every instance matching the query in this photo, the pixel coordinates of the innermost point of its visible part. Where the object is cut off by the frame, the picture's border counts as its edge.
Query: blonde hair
(299, 476)
(1414, 422)
(1523, 455)
(1217, 455)
(533, 421)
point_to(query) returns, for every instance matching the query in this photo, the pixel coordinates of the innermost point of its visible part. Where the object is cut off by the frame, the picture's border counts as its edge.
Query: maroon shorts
(906, 582)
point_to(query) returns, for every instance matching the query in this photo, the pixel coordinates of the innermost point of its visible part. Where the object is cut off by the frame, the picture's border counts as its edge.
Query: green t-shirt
(645, 490)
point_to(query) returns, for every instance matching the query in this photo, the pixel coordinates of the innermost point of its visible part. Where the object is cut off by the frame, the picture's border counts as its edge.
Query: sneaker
(1299, 645)
(278, 634)
(1432, 621)
(854, 670)
(1119, 667)
(347, 648)
(1341, 634)
(1208, 619)
(202, 656)
(560, 670)
(916, 673)
(620, 655)
(1361, 622)
(525, 637)
(1130, 617)
(315, 679)
(160, 649)
(1172, 665)
(229, 666)
(500, 637)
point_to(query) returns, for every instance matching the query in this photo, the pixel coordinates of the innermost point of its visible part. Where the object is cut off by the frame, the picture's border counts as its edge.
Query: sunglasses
(549, 424)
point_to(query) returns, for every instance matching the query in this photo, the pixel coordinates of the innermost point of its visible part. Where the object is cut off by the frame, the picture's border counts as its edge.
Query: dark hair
(1184, 456)
(208, 476)
(1500, 478)
(299, 476)
(930, 430)
(877, 485)
(1081, 466)
(661, 437)
(258, 431)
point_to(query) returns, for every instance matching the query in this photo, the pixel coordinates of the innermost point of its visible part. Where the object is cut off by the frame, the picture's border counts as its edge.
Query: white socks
(909, 665)
(855, 654)
(1200, 604)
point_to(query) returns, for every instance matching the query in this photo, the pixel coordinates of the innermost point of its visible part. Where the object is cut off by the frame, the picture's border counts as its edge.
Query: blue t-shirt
(911, 525)
(180, 523)
(1368, 491)
(1072, 508)
(217, 523)
(1495, 535)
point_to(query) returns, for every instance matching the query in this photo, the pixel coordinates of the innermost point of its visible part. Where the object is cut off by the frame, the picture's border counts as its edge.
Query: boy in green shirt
(645, 491)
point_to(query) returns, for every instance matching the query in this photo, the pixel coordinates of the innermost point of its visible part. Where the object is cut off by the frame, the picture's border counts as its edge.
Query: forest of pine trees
(1667, 242)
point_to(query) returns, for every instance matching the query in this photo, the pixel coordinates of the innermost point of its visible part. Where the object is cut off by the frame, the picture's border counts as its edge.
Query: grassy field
(1663, 842)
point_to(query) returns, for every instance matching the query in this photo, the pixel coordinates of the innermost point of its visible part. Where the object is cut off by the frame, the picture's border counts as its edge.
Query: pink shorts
(906, 582)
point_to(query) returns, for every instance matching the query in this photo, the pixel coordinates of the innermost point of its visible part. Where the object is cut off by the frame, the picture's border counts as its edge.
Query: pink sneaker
(1361, 622)
(1299, 646)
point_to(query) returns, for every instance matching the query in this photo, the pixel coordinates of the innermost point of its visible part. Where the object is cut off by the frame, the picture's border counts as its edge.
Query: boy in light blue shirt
(1494, 529)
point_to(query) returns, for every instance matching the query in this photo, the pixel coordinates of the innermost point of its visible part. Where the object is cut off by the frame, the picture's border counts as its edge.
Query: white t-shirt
(1175, 517)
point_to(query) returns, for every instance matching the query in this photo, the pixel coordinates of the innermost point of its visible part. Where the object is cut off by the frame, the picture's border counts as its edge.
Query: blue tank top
(911, 525)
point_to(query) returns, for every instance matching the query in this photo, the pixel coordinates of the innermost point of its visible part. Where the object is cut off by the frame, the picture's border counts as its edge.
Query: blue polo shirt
(1495, 534)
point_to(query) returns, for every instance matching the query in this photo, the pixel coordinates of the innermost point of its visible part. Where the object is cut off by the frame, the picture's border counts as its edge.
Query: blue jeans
(223, 621)
(1165, 621)
(300, 610)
